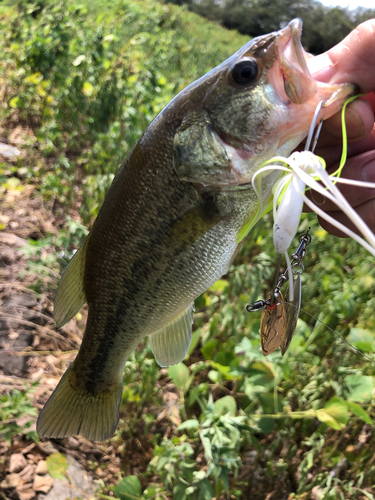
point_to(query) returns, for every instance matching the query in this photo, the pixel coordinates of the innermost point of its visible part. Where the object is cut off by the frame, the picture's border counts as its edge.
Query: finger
(361, 168)
(367, 144)
(366, 211)
(349, 61)
(332, 154)
(359, 122)
(370, 98)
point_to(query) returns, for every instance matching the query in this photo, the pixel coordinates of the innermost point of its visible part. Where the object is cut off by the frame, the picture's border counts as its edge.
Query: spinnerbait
(279, 317)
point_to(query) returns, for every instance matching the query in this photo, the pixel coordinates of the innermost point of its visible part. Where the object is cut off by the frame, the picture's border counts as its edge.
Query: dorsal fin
(171, 343)
(70, 295)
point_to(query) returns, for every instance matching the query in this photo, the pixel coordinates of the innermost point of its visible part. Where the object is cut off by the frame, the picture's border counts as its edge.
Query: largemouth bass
(174, 217)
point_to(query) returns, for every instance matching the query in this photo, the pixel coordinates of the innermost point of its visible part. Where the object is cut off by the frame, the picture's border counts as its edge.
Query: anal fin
(171, 343)
(70, 295)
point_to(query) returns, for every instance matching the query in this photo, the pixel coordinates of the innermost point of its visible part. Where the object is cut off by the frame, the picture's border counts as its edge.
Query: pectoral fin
(171, 343)
(70, 295)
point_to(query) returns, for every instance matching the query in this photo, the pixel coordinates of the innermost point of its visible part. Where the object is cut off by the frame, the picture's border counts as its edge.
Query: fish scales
(173, 219)
(147, 279)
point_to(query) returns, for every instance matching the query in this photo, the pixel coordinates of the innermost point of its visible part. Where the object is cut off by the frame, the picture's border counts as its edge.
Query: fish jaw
(267, 119)
(305, 93)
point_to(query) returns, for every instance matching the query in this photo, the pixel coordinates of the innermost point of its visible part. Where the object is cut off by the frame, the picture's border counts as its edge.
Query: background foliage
(82, 82)
(323, 26)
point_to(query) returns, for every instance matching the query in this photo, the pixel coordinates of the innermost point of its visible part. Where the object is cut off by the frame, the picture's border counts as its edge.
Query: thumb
(352, 60)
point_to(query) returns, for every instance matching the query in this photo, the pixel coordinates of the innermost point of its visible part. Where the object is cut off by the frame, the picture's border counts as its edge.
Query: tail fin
(72, 410)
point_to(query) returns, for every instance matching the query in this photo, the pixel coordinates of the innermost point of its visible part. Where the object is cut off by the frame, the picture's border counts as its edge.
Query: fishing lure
(307, 169)
(278, 322)
(279, 317)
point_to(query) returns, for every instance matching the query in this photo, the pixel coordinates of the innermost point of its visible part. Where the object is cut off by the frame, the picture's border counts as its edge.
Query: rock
(81, 484)
(37, 375)
(31, 315)
(317, 493)
(10, 362)
(10, 481)
(12, 239)
(24, 420)
(28, 473)
(23, 300)
(42, 483)
(17, 462)
(41, 467)
(33, 458)
(8, 151)
(48, 448)
(7, 256)
(25, 450)
(4, 219)
(25, 492)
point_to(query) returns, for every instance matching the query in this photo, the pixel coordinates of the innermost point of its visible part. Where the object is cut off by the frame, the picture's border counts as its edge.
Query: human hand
(352, 60)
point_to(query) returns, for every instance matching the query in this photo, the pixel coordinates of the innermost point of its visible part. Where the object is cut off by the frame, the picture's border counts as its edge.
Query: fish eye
(245, 71)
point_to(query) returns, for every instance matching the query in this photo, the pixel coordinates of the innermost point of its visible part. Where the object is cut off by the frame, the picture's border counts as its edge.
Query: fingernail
(355, 127)
(321, 68)
(354, 124)
(368, 171)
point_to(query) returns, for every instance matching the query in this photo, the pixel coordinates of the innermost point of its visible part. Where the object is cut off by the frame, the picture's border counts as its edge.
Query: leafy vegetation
(324, 26)
(82, 82)
(89, 83)
(14, 408)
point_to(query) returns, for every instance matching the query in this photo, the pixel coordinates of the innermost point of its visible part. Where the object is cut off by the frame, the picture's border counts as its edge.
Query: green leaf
(209, 348)
(225, 405)
(335, 413)
(326, 418)
(162, 81)
(57, 465)
(88, 89)
(266, 425)
(200, 301)
(179, 374)
(194, 340)
(179, 491)
(205, 490)
(129, 488)
(219, 286)
(263, 371)
(189, 424)
(12, 183)
(224, 370)
(35, 78)
(13, 102)
(226, 358)
(153, 492)
(362, 339)
(359, 412)
(360, 387)
(366, 493)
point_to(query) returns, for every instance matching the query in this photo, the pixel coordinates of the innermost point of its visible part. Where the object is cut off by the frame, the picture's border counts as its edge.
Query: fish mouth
(289, 98)
(298, 84)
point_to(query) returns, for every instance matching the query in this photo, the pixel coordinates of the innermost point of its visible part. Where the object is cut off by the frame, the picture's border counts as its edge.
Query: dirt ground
(32, 349)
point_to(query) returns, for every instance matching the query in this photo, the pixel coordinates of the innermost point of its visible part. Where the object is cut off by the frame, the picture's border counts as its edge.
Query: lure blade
(273, 325)
(292, 312)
